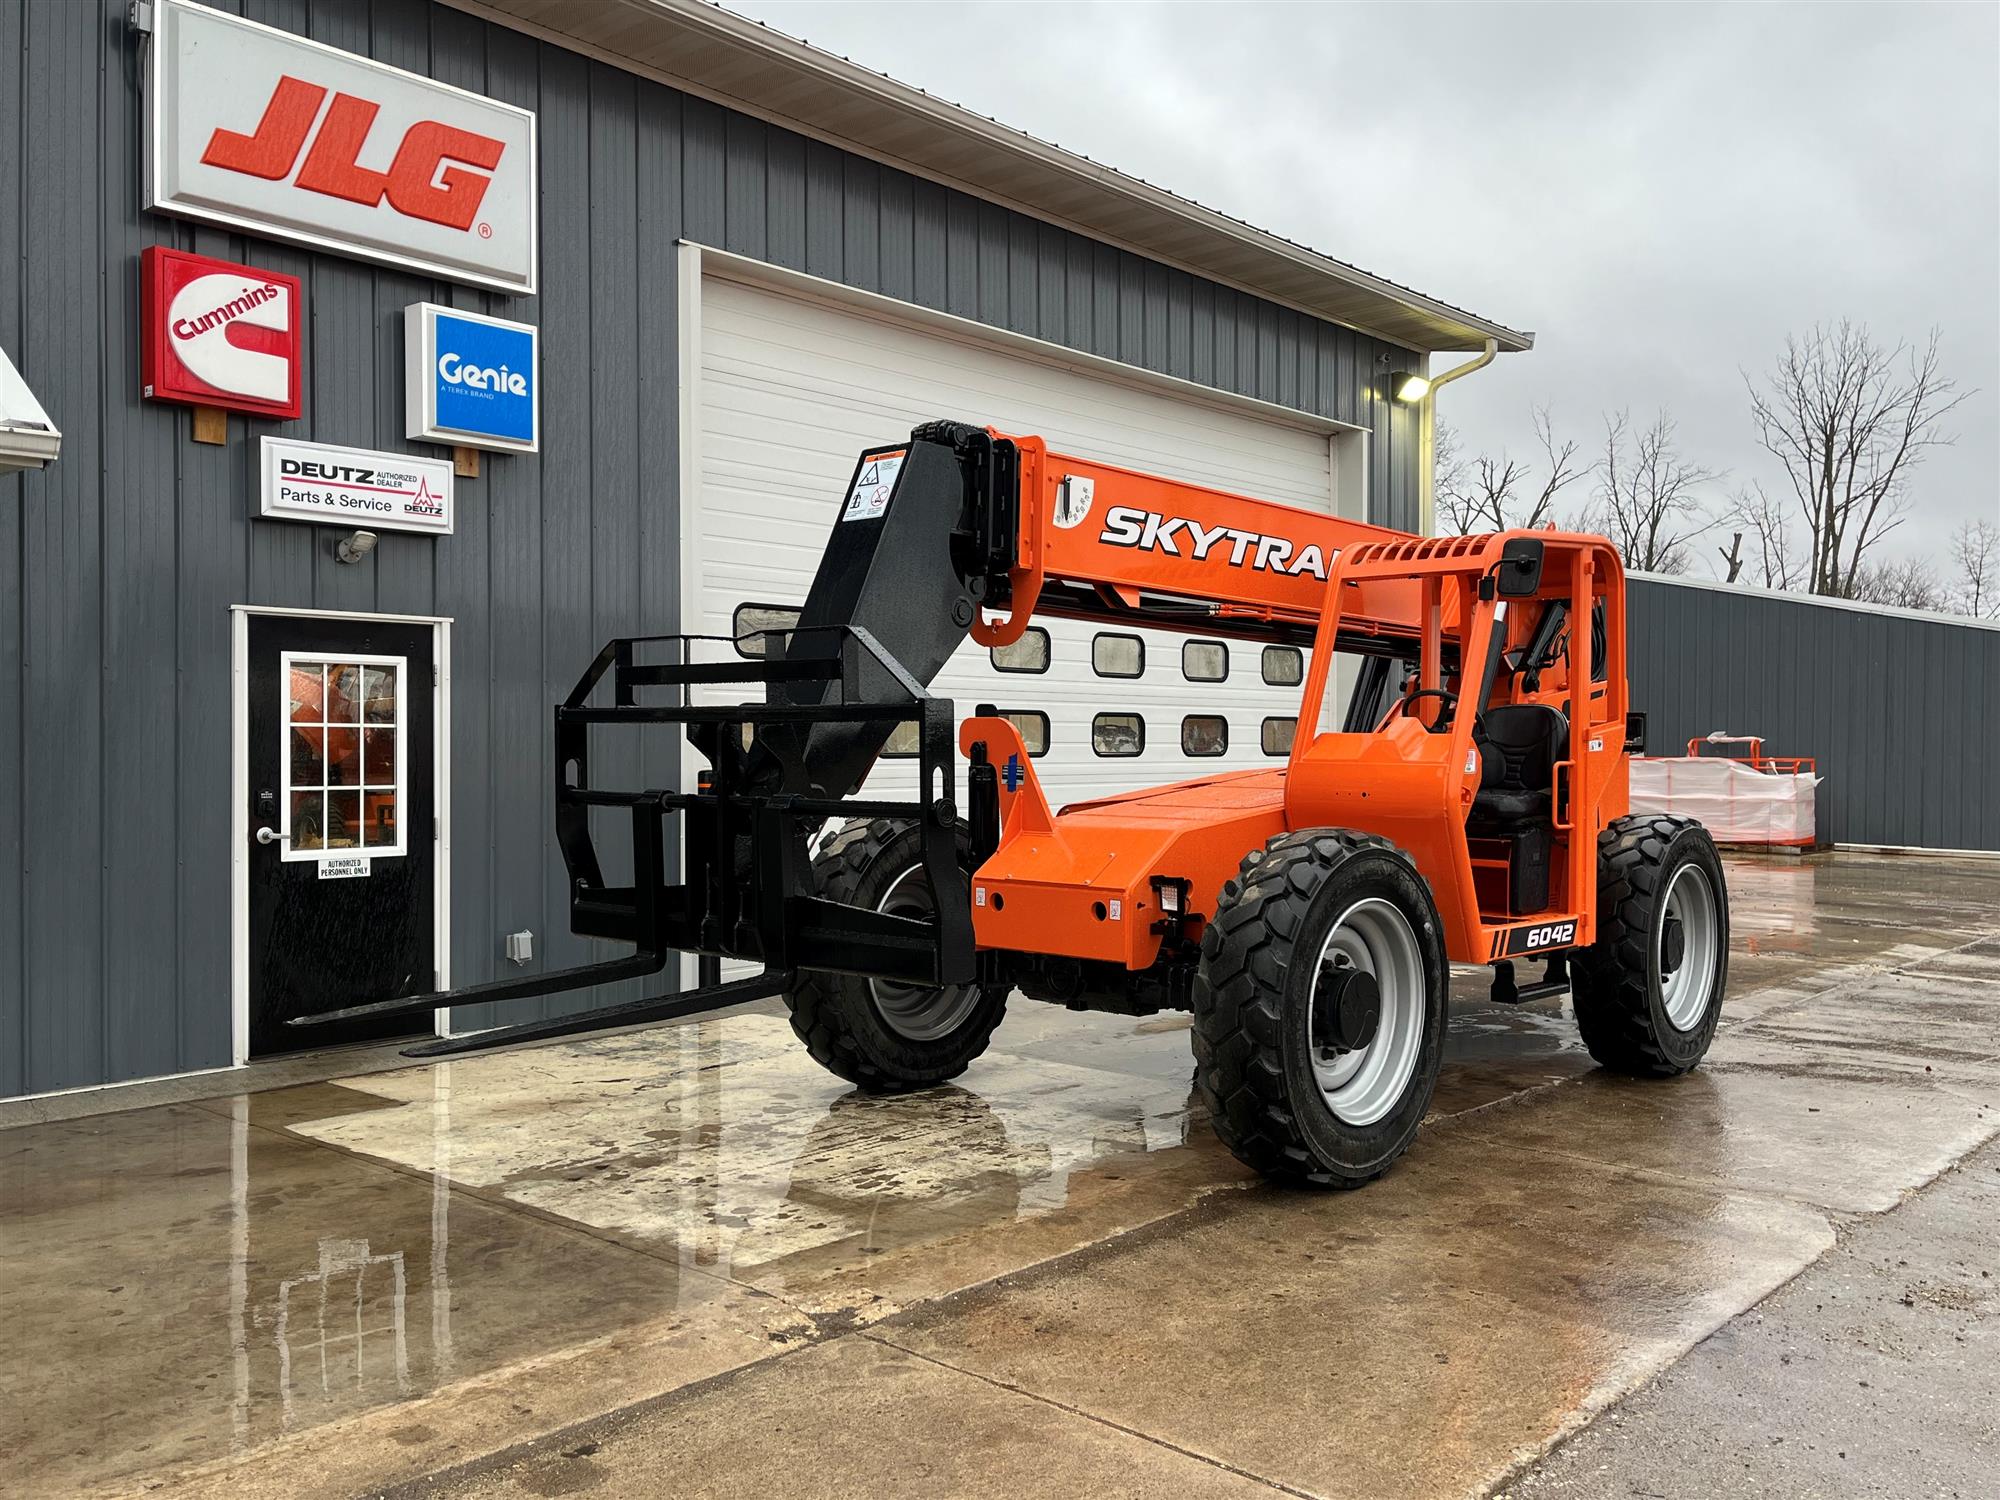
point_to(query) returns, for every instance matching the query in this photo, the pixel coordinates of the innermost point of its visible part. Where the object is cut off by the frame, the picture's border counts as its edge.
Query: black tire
(1253, 1044)
(838, 1016)
(1619, 985)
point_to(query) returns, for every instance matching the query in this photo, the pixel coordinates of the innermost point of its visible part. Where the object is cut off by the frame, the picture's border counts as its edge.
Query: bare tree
(1849, 419)
(1732, 557)
(1777, 555)
(1480, 493)
(1648, 499)
(1975, 553)
(1908, 584)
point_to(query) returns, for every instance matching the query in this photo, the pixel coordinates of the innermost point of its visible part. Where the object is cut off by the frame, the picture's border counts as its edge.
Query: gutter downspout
(1426, 495)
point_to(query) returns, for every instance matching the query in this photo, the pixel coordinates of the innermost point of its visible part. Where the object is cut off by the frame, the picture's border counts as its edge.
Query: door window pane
(1205, 661)
(308, 818)
(343, 820)
(1029, 654)
(1117, 655)
(1118, 734)
(1277, 735)
(1204, 734)
(343, 693)
(343, 734)
(378, 756)
(307, 680)
(378, 810)
(1284, 666)
(379, 695)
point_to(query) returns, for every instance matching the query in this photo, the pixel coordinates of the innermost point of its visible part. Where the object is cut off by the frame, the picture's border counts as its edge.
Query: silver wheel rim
(917, 1011)
(1686, 989)
(1363, 1085)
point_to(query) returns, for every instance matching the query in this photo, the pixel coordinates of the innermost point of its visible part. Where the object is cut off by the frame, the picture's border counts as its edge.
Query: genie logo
(474, 378)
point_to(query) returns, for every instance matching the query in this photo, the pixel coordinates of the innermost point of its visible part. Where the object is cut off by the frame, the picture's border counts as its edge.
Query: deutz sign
(268, 132)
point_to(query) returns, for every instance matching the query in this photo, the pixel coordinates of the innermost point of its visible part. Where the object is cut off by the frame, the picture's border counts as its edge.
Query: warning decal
(872, 486)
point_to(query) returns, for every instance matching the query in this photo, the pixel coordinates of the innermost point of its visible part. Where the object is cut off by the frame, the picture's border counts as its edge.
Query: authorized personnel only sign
(355, 487)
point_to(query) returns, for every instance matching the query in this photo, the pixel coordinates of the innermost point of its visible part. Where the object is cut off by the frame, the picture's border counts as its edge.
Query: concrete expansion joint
(1083, 1413)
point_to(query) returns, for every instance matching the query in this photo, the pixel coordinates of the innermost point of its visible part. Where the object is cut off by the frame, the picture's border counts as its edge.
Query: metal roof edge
(1824, 601)
(1410, 318)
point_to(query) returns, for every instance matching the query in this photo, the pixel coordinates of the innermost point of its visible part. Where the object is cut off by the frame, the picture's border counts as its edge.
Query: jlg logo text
(428, 178)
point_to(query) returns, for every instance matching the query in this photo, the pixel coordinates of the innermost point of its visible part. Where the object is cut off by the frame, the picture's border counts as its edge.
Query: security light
(1408, 387)
(354, 547)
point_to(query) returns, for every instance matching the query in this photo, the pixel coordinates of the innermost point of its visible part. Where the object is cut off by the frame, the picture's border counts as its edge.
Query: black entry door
(343, 831)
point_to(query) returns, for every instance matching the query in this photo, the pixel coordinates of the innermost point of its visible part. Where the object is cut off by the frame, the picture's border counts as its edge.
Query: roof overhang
(28, 439)
(717, 55)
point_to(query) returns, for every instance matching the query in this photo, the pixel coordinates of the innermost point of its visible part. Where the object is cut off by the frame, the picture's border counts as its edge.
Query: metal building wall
(119, 564)
(1901, 711)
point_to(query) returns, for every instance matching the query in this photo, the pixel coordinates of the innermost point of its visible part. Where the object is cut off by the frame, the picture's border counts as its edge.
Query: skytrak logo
(1148, 530)
(427, 179)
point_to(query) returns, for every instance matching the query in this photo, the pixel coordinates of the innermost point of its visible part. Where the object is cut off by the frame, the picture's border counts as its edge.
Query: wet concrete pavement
(687, 1261)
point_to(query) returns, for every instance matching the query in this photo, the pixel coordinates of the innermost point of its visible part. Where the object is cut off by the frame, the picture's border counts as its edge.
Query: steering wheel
(1448, 701)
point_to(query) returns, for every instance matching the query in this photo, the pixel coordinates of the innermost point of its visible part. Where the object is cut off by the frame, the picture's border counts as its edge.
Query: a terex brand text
(427, 179)
(1128, 526)
(456, 371)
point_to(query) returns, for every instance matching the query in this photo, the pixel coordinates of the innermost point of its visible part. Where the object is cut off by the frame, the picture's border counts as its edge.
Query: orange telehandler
(1455, 793)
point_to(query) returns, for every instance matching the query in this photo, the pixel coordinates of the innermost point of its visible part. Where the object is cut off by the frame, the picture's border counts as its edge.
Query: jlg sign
(267, 132)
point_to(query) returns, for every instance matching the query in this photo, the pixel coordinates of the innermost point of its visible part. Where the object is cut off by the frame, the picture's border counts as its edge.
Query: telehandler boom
(1455, 792)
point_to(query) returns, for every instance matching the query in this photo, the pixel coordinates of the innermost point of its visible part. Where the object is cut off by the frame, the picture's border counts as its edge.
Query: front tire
(887, 1037)
(1648, 992)
(1306, 1077)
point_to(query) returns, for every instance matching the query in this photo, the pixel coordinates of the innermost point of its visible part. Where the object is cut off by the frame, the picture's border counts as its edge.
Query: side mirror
(1519, 571)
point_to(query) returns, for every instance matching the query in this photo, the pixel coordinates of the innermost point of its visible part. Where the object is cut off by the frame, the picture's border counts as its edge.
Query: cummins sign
(214, 333)
(267, 132)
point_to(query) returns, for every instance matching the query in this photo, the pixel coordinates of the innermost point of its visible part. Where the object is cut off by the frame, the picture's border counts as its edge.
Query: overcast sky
(1661, 193)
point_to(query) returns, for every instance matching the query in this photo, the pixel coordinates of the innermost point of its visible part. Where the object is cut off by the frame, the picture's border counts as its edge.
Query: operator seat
(1519, 745)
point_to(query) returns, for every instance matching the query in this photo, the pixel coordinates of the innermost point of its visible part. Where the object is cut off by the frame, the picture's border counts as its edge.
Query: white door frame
(1348, 443)
(239, 815)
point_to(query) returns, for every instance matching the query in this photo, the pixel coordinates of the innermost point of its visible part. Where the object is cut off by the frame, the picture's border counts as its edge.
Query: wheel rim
(1687, 923)
(1363, 1085)
(920, 1012)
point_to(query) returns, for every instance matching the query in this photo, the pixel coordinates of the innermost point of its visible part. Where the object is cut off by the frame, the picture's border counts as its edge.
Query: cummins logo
(1178, 536)
(214, 333)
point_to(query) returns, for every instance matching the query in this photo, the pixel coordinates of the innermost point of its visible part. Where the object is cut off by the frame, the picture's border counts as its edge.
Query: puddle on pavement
(186, 1282)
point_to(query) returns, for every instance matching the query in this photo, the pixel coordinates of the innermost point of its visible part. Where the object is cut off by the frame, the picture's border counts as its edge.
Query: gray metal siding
(120, 563)
(1899, 711)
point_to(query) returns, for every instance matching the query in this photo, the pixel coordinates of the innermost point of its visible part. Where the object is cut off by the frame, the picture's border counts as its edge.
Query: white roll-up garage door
(792, 387)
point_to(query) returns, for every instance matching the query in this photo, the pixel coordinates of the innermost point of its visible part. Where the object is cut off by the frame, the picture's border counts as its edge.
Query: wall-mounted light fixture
(356, 546)
(1408, 387)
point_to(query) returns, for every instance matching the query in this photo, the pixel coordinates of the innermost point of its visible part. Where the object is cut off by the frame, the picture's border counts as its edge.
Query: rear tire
(1648, 992)
(1285, 1097)
(888, 1038)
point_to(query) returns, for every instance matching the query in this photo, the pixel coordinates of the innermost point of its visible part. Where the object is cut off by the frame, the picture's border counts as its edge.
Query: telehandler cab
(1455, 792)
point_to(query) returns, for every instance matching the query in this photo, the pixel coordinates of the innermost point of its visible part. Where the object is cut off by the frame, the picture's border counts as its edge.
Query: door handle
(272, 836)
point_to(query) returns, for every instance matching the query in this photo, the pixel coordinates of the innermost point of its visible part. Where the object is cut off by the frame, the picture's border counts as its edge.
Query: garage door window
(1205, 661)
(343, 763)
(1204, 734)
(1117, 655)
(1277, 735)
(1284, 666)
(1034, 727)
(753, 620)
(1029, 654)
(1118, 734)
